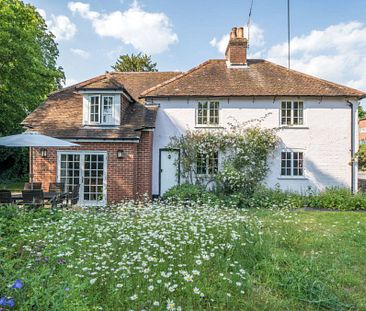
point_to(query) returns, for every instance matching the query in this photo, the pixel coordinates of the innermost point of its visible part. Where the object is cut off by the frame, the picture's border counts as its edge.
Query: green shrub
(190, 193)
(262, 197)
(338, 199)
(275, 198)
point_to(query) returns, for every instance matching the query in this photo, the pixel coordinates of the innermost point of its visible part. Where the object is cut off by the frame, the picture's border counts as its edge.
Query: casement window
(101, 109)
(292, 163)
(208, 113)
(107, 109)
(207, 164)
(292, 113)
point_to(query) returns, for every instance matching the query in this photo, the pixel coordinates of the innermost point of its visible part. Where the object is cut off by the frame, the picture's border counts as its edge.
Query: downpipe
(353, 151)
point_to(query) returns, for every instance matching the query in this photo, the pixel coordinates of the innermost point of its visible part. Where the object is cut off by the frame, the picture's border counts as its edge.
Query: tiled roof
(61, 114)
(134, 82)
(260, 78)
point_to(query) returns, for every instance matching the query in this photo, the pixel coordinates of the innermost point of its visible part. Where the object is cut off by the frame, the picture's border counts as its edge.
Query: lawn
(16, 186)
(178, 258)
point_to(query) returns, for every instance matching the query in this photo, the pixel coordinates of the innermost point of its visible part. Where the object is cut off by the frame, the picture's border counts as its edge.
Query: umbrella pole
(31, 166)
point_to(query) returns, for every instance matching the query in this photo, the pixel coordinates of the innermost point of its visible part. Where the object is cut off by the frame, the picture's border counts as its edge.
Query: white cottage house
(318, 118)
(123, 123)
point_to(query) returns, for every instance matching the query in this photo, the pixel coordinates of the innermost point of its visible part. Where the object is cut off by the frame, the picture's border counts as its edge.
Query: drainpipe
(353, 147)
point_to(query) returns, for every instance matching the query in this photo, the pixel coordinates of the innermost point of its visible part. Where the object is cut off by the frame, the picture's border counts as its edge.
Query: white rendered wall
(325, 137)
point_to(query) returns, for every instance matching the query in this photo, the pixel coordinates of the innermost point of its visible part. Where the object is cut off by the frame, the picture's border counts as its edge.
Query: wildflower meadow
(163, 257)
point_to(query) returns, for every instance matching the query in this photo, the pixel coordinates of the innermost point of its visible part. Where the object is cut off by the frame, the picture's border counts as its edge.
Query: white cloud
(337, 53)
(59, 25)
(81, 53)
(220, 44)
(256, 38)
(70, 81)
(150, 33)
(42, 13)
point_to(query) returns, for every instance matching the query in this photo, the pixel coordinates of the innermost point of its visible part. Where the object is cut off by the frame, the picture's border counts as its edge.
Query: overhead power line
(288, 35)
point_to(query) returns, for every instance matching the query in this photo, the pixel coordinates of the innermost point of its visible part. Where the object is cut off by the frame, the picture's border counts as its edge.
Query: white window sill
(218, 126)
(295, 127)
(205, 175)
(100, 125)
(292, 178)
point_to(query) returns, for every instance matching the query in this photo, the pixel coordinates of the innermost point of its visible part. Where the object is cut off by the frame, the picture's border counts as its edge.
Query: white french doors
(87, 169)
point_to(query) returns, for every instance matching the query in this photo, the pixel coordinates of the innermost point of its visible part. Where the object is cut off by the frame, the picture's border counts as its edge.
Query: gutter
(353, 149)
(104, 140)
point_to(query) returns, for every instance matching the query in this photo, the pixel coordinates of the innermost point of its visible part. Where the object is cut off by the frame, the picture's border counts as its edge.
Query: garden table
(46, 196)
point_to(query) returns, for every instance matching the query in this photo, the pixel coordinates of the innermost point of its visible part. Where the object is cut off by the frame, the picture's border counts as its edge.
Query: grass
(12, 185)
(172, 258)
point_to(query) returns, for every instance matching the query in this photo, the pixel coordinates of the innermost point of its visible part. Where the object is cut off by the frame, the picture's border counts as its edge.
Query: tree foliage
(245, 150)
(361, 112)
(135, 63)
(28, 69)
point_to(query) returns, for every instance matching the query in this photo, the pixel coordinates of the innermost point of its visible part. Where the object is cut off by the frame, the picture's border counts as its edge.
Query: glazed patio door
(93, 179)
(88, 169)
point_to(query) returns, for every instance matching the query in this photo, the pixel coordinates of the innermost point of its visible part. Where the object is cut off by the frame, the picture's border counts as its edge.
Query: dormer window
(102, 109)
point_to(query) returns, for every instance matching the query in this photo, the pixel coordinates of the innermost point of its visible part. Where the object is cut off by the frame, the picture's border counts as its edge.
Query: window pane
(201, 164)
(214, 113)
(285, 113)
(94, 109)
(213, 163)
(202, 113)
(298, 164)
(286, 163)
(107, 109)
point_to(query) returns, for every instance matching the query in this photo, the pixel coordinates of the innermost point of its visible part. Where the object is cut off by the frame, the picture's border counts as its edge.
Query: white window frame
(292, 175)
(103, 112)
(292, 109)
(90, 99)
(209, 103)
(101, 109)
(208, 162)
(81, 154)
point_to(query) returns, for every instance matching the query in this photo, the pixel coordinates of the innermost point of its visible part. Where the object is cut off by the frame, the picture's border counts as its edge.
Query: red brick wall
(237, 53)
(144, 165)
(127, 178)
(362, 125)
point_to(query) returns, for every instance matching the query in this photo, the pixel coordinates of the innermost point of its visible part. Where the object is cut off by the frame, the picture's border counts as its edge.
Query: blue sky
(328, 37)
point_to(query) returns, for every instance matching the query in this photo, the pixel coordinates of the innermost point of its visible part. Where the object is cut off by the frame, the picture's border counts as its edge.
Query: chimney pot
(234, 33)
(240, 32)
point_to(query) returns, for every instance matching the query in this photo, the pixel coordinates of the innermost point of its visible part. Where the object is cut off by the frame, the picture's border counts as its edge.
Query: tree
(361, 112)
(133, 63)
(28, 69)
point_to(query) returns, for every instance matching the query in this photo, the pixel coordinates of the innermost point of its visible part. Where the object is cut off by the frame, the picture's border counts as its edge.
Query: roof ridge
(315, 77)
(143, 72)
(183, 74)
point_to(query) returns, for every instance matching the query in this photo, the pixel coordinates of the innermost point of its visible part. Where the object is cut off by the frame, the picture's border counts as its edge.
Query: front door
(87, 169)
(169, 169)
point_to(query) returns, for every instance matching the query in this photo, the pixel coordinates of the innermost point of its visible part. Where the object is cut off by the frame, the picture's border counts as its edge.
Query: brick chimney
(236, 51)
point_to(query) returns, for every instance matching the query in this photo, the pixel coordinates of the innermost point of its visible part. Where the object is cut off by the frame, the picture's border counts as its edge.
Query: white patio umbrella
(33, 139)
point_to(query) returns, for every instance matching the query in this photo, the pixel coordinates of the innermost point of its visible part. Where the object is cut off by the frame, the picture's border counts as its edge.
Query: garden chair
(59, 199)
(36, 186)
(33, 198)
(73, 197)
(5, 197)
(57, 187)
